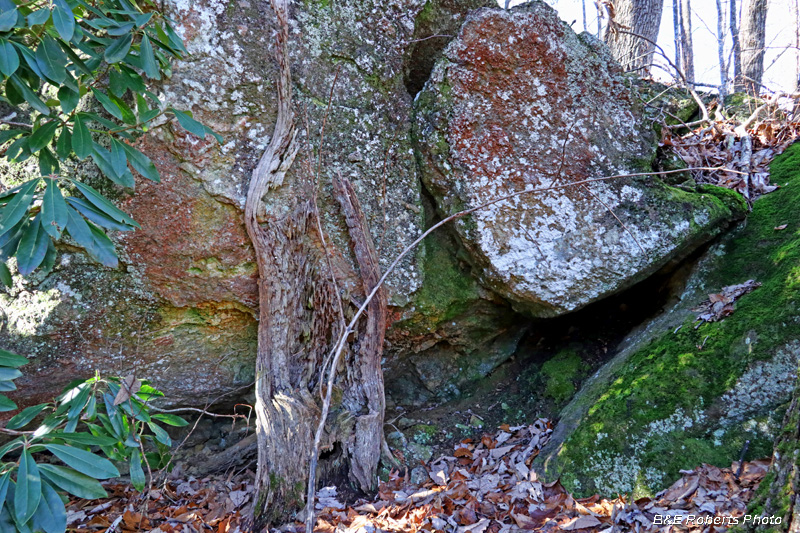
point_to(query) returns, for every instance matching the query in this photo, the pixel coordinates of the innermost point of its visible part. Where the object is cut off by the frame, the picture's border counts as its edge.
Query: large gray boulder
(181, 309)
(519, 101)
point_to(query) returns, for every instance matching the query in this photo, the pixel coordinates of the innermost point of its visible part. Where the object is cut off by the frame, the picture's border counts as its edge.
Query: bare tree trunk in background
(687, 48)
(599, 19)
(583, 9)
(642, 17)
(797, 43)
(723, 65)
(508, 3)
(676, 28)
(753, 40)
(299, 314)
(736, 48)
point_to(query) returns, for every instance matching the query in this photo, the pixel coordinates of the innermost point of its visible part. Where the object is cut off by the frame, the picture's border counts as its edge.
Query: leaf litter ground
(485, 486)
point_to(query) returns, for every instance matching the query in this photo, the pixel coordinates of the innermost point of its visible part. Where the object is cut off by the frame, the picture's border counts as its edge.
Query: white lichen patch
(615, 473)
(764, 384)
(27, 312)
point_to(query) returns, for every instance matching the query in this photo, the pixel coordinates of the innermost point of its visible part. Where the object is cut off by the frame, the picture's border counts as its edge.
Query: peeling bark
(299, 319)
(365, 448)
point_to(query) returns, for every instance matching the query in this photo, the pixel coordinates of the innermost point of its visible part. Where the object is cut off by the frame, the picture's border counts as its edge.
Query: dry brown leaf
(581, 522)
(524, 521)
(129, 386)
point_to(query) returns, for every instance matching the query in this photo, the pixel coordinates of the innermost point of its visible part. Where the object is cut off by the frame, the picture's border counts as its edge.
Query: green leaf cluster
(59, 61)
(91, 426)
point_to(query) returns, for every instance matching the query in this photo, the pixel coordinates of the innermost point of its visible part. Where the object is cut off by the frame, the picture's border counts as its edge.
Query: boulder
(681, 392)
(520, 102)
(181, 309)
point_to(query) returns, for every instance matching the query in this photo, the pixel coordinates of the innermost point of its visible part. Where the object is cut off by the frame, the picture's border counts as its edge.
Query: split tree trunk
(641, 17)
(753, 40)
(299, 322)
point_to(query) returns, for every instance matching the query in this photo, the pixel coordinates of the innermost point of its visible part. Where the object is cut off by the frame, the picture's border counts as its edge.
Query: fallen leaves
(493, 490)
(210, 504)
(490, 490)
(720, 305)
(745, 158)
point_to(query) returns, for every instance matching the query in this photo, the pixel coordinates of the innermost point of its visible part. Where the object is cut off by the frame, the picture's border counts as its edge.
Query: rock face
(520, 102)
(682, 393)
(181, 309)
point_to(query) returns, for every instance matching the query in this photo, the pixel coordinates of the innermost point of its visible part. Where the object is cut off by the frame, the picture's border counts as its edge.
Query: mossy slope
(677, 398)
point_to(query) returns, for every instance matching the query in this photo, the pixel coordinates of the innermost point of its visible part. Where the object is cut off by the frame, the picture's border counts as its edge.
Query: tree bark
(676, 28)
(583, 11)
(796, 9)
(641, 17)
(723, 65)
(299, 319)
(753, 37)
(687, 48)
(736, 47)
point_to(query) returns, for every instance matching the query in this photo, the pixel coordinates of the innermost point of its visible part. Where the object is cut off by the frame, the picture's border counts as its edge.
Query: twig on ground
(429, 37)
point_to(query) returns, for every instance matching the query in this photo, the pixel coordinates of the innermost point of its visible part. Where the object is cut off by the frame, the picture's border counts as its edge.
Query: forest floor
(485, 486)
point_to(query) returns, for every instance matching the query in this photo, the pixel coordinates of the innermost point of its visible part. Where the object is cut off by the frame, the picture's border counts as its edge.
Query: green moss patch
(560, 374)
(448, 290)
(662, 409)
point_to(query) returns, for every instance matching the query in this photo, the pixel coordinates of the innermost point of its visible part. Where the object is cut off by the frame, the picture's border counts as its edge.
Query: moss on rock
(560, 374)
(688, 393)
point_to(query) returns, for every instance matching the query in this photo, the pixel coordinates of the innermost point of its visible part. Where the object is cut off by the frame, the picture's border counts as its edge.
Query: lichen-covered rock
(518, 102)
(681, 393)
(181, 309)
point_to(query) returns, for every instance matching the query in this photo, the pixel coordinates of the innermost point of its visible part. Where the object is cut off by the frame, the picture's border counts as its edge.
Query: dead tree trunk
(687, 48)
(723, 65)
(753, 40)
(299, 320)
(641, 17)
